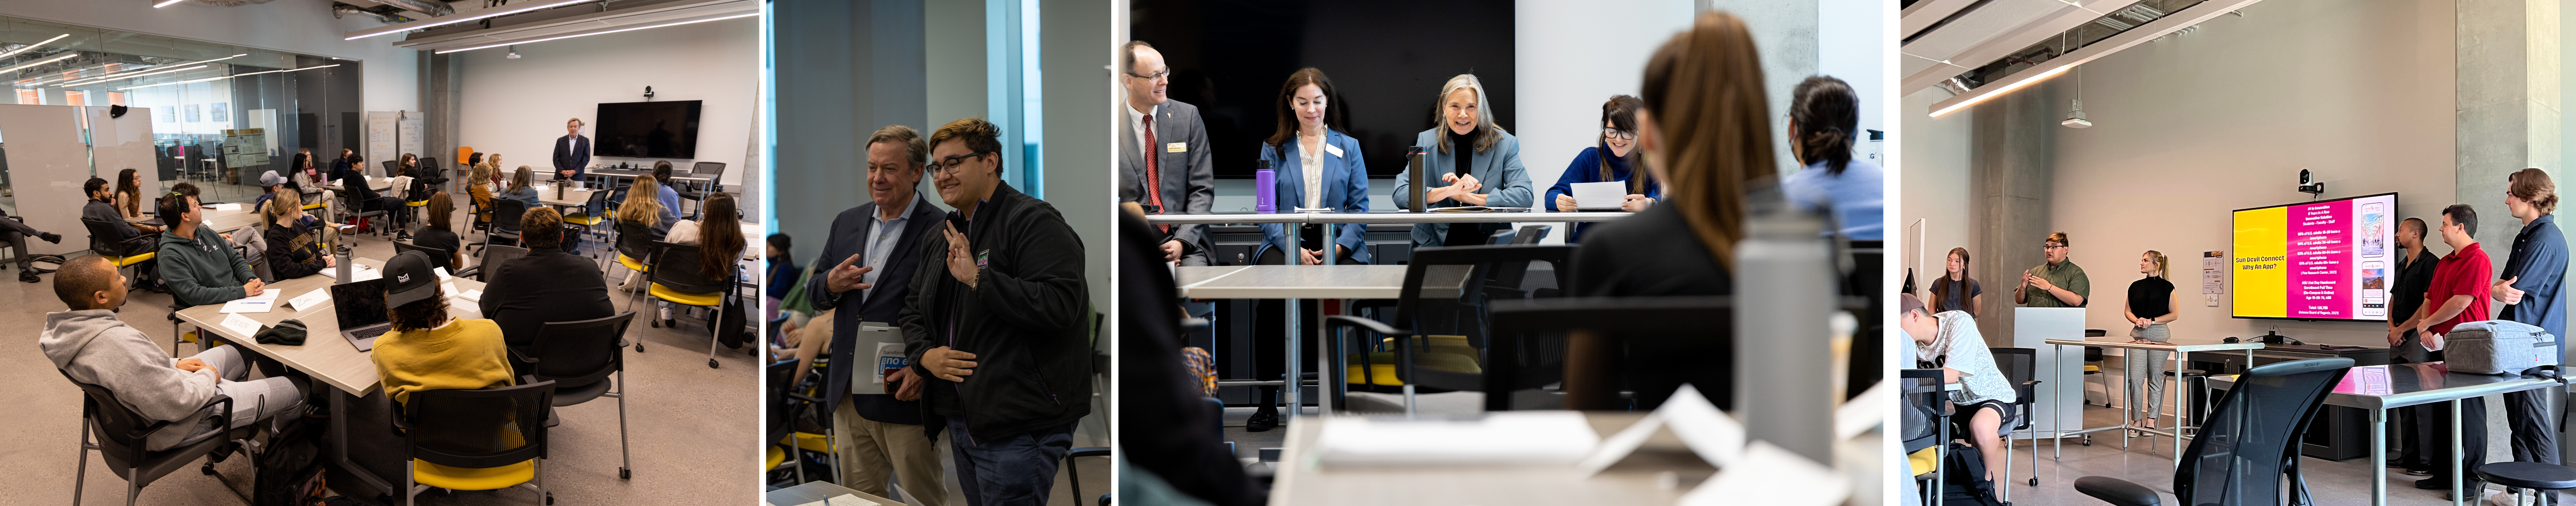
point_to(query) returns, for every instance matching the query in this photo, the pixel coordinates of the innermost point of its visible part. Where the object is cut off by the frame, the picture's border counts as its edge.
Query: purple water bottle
(1265, 191)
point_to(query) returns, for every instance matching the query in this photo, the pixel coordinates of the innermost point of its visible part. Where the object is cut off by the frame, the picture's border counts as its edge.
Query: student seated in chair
(89, 344)
(294, 239)
(1985, 398)
(270, 183)
(440, 233)
(198, 263)
(427, 349)
(719, 240)
(102, 208)
(547, 285)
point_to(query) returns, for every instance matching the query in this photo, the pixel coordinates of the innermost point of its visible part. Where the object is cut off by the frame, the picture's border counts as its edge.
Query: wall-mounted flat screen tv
(666, 129)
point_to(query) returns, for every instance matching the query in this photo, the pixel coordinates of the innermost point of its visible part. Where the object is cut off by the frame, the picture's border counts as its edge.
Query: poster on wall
(380, 136)
(188, 112)
(216, 112)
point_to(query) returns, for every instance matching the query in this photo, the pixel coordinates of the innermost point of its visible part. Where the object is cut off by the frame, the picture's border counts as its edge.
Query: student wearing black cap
(428, 349)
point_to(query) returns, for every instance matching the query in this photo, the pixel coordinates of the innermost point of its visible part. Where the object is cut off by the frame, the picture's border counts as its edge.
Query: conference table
(1294, 283)
(2182, 396)
(324, 355)
(376, 183)
(1640, 479)
(2379, 388)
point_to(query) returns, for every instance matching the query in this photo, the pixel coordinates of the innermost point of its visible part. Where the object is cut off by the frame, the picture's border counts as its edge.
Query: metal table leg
(340, 450)
(1292, 384)
(2457, 495)
(2378, 457)
(2057, 444)
(2182, 403)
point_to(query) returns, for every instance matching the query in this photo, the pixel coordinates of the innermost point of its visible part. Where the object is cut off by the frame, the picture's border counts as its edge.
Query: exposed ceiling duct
(430, 7)
(571, 21)
(2050, 57)
(338, 10)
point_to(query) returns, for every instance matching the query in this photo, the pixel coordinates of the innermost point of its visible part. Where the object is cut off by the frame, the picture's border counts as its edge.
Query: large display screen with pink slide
(2321, 260)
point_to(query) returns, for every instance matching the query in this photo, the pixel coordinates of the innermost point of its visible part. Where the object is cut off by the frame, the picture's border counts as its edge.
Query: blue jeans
(1008, 471)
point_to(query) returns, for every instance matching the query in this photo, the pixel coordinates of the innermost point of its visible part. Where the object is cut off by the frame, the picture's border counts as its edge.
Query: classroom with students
(2278, 252)
(271, 253)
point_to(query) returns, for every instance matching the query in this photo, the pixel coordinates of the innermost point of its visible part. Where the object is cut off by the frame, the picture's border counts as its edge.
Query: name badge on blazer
(1334, 150)
(1177, 147)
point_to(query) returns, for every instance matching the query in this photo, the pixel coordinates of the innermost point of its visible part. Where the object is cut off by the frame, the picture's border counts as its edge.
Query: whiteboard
(380, 138)
(408, 134)
(47, 164)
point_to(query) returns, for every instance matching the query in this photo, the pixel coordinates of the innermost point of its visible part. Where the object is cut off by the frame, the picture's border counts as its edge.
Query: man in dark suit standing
(877, 246)
(1164, 162)
(572, 152)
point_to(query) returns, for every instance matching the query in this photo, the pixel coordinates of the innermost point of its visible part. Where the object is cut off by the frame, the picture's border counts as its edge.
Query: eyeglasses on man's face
(946, 166)
(1157, 75)
(2051, 245)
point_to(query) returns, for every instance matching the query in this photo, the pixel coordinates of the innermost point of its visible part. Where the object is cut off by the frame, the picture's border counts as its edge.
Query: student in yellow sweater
(428, 349)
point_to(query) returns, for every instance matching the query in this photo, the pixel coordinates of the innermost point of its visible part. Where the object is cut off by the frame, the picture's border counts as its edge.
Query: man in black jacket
(546, 285)
(352, 174)
(1003, 319)
(572, 153)
(878, 248)
(1158, 396)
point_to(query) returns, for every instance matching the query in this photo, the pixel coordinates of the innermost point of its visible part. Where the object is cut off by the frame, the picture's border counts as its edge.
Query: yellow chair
(678, 281)
(484, 439)
(1443, 352)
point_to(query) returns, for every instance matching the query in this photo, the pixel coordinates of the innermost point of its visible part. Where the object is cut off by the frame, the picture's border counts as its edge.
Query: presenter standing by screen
(2150, 307)
(572, 152)
(2529, 288)
(2457, 295)
(2058, 283)
(2414, 275)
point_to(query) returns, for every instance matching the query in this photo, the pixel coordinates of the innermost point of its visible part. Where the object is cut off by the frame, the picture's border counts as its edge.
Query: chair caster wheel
(711, 363)
(639, 347)
(625, 474)
(2034, 481)
(550, 499)
(657, 323)
(209, 469)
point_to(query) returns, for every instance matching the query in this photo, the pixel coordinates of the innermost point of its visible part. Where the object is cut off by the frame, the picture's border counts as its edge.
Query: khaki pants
(870, 450)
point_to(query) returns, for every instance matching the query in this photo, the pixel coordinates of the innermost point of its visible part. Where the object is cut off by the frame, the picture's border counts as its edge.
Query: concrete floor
(2149, 462)
(693, 430)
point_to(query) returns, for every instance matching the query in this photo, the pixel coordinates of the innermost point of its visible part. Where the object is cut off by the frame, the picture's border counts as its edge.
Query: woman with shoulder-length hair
(2151, 305)
(1955, 290)
(1477, 163)
(1706, 131)
(1824, 116)
(1614, 159)
(1319, 168)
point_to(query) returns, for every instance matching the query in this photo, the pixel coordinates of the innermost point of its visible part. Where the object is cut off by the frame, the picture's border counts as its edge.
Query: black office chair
(634, 247)
(1460, 368)
(2246, 444)
(392, 168)
(780, 434)
(2019, 365)
(126, 253)
(483, 439)
(1532, 350)
(1073, 473)
(578, 357)
(122, 434)
(1924, 422)
(713, 172)
(678, 279)
(441, 255)
(506, 214)
(1503, 279)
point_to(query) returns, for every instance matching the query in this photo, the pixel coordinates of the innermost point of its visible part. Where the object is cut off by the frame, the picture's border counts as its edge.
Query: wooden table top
(325, 354)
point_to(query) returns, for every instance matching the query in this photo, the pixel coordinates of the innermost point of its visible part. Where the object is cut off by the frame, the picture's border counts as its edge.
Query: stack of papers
(310, 299)
(262, 303)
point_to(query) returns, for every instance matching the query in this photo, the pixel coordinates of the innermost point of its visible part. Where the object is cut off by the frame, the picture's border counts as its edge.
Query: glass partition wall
(220, 114)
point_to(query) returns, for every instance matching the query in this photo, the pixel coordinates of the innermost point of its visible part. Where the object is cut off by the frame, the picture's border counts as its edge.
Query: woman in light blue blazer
(1476, 163)
(1318, 167)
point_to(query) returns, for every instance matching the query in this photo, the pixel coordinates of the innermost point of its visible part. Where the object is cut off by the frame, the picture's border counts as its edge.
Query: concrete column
(2011, 152)
(2507, 119)
(441, 98)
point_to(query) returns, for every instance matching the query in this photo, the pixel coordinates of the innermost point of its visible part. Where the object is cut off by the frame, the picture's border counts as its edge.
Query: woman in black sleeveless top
(2150, 307)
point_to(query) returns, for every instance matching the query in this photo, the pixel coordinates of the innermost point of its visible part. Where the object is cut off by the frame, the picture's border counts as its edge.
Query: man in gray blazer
(1164, 160)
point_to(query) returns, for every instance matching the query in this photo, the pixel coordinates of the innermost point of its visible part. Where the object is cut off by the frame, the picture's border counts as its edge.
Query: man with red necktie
(1165, 162)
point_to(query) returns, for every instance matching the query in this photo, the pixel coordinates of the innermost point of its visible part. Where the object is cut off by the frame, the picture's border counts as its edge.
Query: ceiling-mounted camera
(2309, 185)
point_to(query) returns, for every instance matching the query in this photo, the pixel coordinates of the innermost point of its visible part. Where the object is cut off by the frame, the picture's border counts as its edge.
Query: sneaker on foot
(51, 237)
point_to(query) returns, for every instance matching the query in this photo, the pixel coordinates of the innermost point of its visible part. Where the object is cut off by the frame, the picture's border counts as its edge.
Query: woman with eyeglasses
(1824, 116)
(1615, 159)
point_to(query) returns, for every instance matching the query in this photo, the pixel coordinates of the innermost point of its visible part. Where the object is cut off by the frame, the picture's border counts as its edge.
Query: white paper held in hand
(242, 325)
(1601, 196)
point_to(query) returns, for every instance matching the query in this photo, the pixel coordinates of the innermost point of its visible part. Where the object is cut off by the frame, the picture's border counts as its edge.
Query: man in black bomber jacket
(1001, 322)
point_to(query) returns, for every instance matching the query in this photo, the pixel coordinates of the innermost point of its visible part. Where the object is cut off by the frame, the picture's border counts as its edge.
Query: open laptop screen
(359, 303)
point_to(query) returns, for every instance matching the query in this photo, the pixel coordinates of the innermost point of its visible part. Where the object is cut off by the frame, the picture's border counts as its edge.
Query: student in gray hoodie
(199, 264)
(89, 344)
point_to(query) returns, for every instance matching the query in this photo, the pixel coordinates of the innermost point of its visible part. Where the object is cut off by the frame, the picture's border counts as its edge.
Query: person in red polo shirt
(2458, 295)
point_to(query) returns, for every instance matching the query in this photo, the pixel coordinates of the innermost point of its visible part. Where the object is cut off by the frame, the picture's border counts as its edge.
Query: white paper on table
(269, 294)
(442, 276)
(1601, 196)
(448, 287)
(227, 206)
(472, 295)
(1771, 475)
(363, 273)
(1513, 438)
(310, 300)
(242, 325)
(248, 306)
(1711, 434)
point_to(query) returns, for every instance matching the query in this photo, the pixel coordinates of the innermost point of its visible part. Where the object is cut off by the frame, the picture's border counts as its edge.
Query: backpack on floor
(1963, 478)
(729, 329)
(289, 471)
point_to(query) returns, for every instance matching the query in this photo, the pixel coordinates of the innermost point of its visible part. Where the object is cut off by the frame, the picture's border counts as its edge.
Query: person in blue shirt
(1319, 168)
(670, 198)
(783, 270)
(523, 188)
(2530, 286)
(1615, 159)
(1823, 118)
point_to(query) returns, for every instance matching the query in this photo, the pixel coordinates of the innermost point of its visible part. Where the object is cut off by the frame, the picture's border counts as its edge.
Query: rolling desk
(2379, 388)
(2182, 395)
(325, 355)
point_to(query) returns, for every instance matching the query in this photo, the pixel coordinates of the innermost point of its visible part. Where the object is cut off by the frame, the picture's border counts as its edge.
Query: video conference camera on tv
(2309, 185)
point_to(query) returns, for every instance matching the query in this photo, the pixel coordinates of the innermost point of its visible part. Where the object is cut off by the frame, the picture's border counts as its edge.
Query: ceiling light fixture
(452, 19)
(110, 77)
(164, 3)
(96, 81)
(514, 52)
(2002, 91)
(65, 55)
(223, 77)
(445, 51)
(14, 52)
